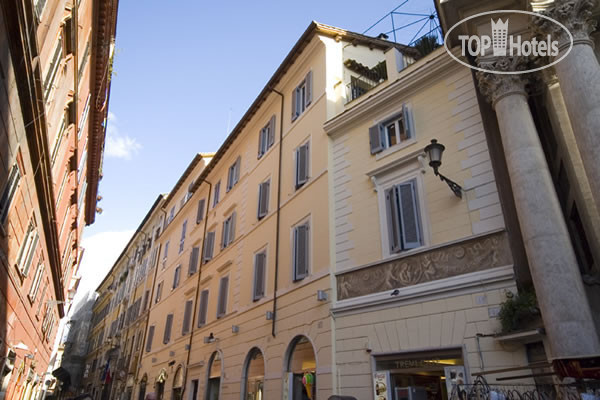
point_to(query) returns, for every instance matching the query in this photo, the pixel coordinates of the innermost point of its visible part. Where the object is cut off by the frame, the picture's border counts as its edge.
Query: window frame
(203, 307)
(223, 291)
(297, 183)
(260, 215)
(216, 193)
(255, 296)
(296, 277)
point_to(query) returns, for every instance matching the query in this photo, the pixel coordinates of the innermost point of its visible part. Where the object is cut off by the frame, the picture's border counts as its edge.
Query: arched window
(143, 382)
(178, 384)
(300, 380)
(213, 376)
(253, 375)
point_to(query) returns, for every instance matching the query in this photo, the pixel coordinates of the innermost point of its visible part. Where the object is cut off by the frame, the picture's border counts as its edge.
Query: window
(176, 276)
(81, 164)
(168, 326)
(27, 250)
(263, 199)
(392, 131)
(149, 339)
(58, 141)
(62, 187)
(266, 137)
(302, 96)
(158, 292)
(301, 251)
(53, 69)
(260, 265)
(182, 240)
(187, 314)
(68, 34)
(233, 176)
(84, 61)
(9, 191)
(216, 194)
(193, 267)
(209, 245)
(39, 6)
(403, 220)
(83, 118)
(201, 207)
(81, 196)
(228, 233)
(146, 296)
(164, 261)
(222, 304)
(302, 159)
(36, 283)
(171, 215)
(203, 308)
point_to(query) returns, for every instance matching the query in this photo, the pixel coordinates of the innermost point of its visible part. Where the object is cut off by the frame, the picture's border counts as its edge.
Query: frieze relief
(456, 259)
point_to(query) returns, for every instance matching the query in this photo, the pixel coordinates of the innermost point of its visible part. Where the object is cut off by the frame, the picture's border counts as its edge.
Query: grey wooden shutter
(216, 193)
(309, 89)
(168, 325)
(238, 167)
(263, 199)
(224, 233)
(301, 252)
(30, 253)
(194, 261)
(261, 142)
(176, 276)
(375, 139)
(294, 104)
(208, 246)
(393, 220)
(271, 135)
(203, 308)
(232, 228)
(302, 165)
(407, 120)
(409, 210)
(222, 304)
(230, 173)
(187, 313)
(149, 339)
(259, 276)
(200, 214)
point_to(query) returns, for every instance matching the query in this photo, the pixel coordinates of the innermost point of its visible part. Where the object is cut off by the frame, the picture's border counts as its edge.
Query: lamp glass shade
(434, 152)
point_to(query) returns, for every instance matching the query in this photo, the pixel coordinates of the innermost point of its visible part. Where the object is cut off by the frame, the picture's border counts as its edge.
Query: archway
(253, 375)
(143, 383)
(213, 376)
(178, 384)
(300, 380)
(160, 384)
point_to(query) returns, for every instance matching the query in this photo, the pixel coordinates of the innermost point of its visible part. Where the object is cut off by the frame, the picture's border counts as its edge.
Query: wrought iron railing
(369, 79)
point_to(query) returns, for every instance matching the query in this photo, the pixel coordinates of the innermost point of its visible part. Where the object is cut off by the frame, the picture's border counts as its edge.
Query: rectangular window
(84, 61)
(62, 187)
(171, 215)
(222, 304)
(182, 240)
(39, 6)
(260, 265)
(194, 255)
(203, 308)
(164, 261)
(176, 276)
(395, 130)
(36, 283)
(301, 251)
(53, 69)
(8, 194)
(216, 194)
(263, 199)
(187, 314)
(82, 190)
(209, 245)
(302, 159)
(302, 96)
(403, 220)
(266, 137)
(27, 250)
(58, 141)
(158, 292)
(233, 175)
(228, 233)
(81, 165)
(149, 339)
(168, 326)
(201, 207)
(83, 119)
(146, 296)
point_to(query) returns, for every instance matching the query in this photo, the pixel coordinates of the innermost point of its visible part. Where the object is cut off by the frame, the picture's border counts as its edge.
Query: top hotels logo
(501, 44)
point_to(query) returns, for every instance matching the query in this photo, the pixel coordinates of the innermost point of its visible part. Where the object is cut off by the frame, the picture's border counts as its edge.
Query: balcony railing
(367, 80)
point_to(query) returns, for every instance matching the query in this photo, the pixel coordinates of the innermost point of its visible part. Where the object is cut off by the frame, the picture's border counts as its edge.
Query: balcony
(367, 78)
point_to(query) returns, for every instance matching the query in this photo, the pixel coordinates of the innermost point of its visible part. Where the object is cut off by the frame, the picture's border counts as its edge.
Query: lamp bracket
(455, 187)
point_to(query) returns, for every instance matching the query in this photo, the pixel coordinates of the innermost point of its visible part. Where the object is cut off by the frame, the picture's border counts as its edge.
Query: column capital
(496, 86)
(575, 15)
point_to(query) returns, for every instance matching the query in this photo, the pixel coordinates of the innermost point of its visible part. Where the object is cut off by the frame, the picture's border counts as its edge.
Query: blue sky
(185, 71)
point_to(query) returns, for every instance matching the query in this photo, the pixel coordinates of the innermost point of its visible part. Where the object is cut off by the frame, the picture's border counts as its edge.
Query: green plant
(426, 44)
(517, 310)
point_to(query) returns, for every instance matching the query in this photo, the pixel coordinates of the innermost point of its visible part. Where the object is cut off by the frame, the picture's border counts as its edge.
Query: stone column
(579, 76)
(560, 293)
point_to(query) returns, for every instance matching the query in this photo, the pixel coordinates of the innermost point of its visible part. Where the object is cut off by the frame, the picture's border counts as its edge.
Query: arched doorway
(213, 376)
(143, 383)
(253, 375)
(178, 384)
(300, 380)
(160, 384)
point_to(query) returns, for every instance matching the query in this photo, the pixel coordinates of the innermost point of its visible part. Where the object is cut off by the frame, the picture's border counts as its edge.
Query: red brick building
(55, 70)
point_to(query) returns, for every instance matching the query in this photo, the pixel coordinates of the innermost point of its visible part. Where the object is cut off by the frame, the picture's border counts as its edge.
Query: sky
(185, 73)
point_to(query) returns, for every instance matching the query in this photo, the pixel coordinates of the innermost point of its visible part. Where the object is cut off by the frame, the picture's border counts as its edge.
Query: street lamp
(434, 152)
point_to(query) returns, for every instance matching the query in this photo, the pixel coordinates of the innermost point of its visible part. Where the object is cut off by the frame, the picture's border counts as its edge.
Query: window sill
(395, 148)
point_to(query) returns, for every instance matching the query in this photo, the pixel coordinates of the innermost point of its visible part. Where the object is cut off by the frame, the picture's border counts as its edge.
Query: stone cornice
(417, 75)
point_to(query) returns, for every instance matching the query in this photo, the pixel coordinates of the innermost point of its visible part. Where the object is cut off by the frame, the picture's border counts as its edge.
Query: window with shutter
(176, 276)
(158, 292)
(259, 275)
(302, 96)
(168, 326)
(216, 193)
(228, 233)
(302, 159)
(209, 245)
(164, 261)
(187, 313)
(395, 130)
(200, 214)
(203, 308)
(263, 199)
(9, 191)
(146, 297)
(36, 283)
(28, 247)
(182, 240)
(222, 304)
(403, 217)
(194, 261)
(266, 137)
(301, 251)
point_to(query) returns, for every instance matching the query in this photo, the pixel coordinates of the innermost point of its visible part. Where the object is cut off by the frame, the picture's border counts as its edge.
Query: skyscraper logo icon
(499, 37)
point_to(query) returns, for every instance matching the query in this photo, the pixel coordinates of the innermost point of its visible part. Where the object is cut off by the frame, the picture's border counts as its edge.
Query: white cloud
(101, 252)
(119, 145)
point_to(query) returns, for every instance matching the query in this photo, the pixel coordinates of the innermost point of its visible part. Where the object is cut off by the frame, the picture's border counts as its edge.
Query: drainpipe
(189, 350)
(278, 213)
